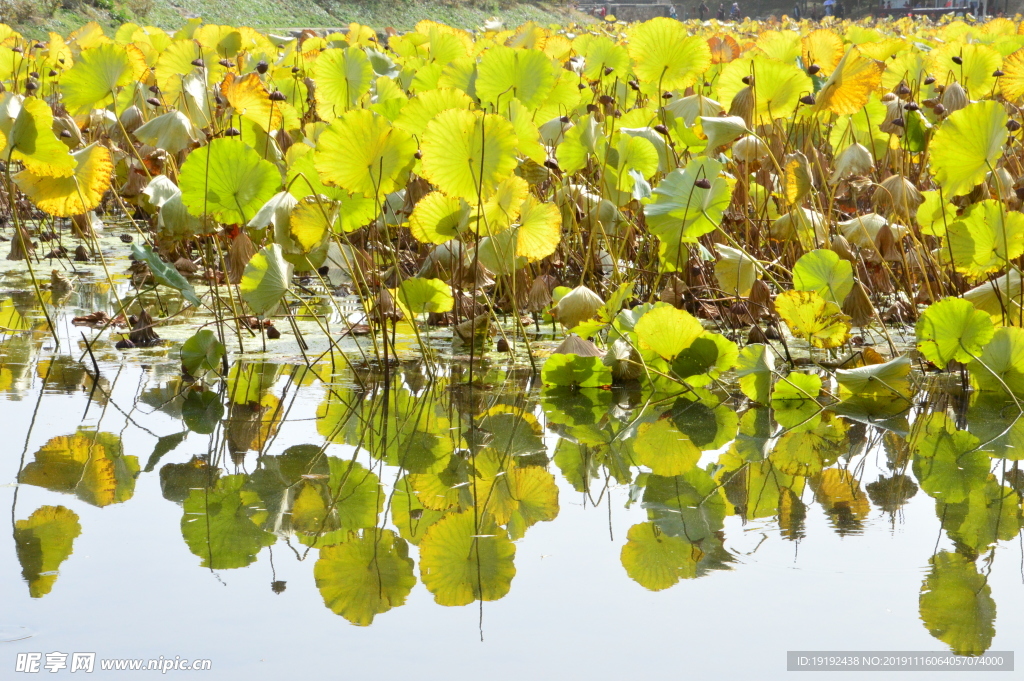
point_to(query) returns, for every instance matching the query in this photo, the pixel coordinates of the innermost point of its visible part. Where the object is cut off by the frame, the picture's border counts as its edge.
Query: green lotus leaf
(468, 153)
(797, 386)
(266, 279)
(202, 411)
(656, 560)
(668, 331)
(663, 448)
(418, 296)
(222, 525)
(228, 180)
(202, 353)
(823, 271)
(681, 211)
(98, 72)
(966, 145)
(364, 154)
(1001, 364)
(952, 329)
(707, 358)
(985, 238)
(575, 371)
(754, 366)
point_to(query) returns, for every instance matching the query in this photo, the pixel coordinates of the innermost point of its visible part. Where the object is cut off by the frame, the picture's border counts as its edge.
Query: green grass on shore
(400, 14)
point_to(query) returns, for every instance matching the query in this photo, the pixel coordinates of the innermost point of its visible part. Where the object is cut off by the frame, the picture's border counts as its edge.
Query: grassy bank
(33, 18)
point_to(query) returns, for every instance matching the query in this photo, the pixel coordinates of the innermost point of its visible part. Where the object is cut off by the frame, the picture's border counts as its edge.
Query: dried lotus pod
(760, 298)
(756, 335)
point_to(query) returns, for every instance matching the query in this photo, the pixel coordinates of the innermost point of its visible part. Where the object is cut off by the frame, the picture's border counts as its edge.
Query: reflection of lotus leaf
(365, 576)
(990, 512)
(839, 493)
(221, 525)
(691, 505)
(657, 560)
(464, 558)
(43, 542)
(87, 464)
(956, 604)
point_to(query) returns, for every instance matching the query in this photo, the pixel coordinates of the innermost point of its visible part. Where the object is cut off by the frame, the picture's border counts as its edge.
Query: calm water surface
(330, 523)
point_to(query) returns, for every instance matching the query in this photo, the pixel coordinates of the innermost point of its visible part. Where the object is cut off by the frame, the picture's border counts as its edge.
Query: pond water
(425, 521)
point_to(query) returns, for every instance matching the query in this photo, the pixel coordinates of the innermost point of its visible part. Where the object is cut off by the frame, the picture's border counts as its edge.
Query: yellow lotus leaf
(824, 48)
(502, 208)
(809, 316)
(342, 77)
(777, 88)
(88, 36)
(175, 64)
(248, 96)
(98, 72)
(364, 154)
(966, 145)
(438, 218)
(665, 57)
(425, 106)
(783, 46)
(223, 41)
(311, 223)
(539, 231)
(848, 88)
(464, 558)
(976, 70)
(883, 50)
(468, 153)
(43, 541)
(799, 181)
(74, 195)
(32, 142)
(505, 73)
(1011, 85)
